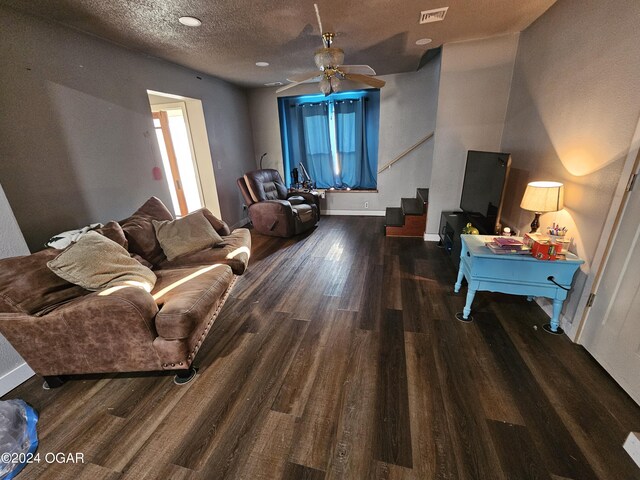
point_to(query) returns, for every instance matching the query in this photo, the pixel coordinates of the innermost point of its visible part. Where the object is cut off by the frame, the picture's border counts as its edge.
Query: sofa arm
(273, 217)
(109, 331)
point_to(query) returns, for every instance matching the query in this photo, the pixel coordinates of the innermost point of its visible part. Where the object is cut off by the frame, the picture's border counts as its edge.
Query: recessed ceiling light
(190, 21)
(273, 84)
(423, 41)
(262, 64)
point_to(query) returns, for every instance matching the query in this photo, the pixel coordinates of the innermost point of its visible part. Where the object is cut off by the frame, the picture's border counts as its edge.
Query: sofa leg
(52, 382)
(185, 376)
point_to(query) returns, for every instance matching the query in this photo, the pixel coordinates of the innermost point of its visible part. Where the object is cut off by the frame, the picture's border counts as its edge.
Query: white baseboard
(15, 377)
(632, 446)
(431, 237)
(357, 213)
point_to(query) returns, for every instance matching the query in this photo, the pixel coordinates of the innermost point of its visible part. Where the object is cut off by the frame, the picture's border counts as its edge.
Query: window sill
(347, 191)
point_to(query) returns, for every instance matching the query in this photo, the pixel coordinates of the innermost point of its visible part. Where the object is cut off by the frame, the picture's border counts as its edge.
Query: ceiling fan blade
(303, 77)
(287, 87)
(374, 82)
(361, 69)
(315, 5)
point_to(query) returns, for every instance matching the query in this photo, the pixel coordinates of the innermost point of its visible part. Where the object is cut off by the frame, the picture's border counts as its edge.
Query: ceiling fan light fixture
(325, 85)
(423, 41)
(334, 81)
(328, 57)
(190, 21)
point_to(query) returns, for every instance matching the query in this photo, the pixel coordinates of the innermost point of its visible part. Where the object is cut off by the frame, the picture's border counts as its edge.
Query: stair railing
(406, 152)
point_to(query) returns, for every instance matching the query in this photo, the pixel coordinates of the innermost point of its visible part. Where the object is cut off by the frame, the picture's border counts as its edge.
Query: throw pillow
(188, 234)
(113, 231)
(94, 262)
(140, 232)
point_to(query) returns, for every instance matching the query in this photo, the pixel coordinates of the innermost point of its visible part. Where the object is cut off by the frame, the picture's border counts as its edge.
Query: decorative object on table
(506, 232)
(515, 275)
(544, 250)
(469, 229)
(562, 245)
(541, 197)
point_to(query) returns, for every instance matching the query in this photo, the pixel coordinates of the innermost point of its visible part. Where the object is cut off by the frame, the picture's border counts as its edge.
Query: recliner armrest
(273, 206)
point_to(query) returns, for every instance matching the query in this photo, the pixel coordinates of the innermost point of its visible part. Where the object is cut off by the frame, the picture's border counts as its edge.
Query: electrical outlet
(366, 204)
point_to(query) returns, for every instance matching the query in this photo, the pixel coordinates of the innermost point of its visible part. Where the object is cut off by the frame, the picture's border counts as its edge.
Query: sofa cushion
(28, 286)
(188, 234)
(94, 262)
(234, 251)
(113, 231)
(138, 229)
(187, 295)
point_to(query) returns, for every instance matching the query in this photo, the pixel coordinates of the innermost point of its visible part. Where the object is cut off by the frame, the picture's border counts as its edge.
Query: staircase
(410, 219)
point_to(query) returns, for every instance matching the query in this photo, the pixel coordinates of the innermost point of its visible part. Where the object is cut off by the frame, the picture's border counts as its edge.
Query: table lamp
(541, 197)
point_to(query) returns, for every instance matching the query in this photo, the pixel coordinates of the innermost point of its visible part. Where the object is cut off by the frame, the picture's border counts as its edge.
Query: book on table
(520, 249)
(508, 242)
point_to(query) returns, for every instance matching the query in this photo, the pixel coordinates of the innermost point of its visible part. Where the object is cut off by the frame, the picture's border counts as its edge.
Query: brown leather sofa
(61, 329)
(275, 211)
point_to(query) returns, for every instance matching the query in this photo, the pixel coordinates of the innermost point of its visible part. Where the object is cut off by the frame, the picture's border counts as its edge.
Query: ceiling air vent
(436, 15)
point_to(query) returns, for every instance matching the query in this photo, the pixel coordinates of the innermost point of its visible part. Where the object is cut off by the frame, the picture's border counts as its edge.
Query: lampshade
(543, 197)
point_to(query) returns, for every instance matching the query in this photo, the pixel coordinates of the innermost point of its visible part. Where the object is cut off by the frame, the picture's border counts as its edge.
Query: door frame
(199, 141)
(607, 238)
(161, 116)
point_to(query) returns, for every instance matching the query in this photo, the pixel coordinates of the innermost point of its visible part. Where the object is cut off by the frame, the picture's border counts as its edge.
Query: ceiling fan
(329, 60)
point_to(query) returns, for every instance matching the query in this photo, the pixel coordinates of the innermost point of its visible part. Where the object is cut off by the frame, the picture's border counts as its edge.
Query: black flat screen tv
(485, 179)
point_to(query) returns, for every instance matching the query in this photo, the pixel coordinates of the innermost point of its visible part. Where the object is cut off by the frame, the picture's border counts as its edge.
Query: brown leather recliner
(275, 211)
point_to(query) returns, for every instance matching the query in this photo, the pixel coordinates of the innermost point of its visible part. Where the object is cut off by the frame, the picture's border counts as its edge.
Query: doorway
(181, 132)
(612, 328)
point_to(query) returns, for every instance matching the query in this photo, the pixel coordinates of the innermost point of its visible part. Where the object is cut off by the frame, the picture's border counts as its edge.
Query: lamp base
(535, 225)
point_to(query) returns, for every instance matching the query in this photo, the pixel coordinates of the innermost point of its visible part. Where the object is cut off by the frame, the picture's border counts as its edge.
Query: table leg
(467, 308)
(554, 326)
(555, 320)
(459, 280)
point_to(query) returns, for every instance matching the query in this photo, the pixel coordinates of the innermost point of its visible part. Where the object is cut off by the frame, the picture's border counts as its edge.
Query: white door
(612, 330)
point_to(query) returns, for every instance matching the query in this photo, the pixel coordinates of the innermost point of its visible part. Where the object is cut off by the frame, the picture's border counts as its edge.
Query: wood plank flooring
(337, 356)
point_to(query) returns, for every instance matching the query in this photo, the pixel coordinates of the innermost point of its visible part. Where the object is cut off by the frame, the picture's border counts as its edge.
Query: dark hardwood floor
(338, 356)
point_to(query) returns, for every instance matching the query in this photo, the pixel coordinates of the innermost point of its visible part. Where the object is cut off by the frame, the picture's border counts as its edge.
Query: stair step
(423, 194)
(412, 206)
(394, 217)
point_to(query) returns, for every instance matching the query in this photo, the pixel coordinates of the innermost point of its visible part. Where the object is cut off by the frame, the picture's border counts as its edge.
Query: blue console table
(514, 274)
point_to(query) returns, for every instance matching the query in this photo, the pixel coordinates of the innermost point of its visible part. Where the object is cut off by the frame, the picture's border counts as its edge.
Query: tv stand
(451, 225)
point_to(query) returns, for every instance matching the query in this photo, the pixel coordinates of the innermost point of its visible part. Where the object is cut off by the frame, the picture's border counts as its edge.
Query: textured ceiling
(236, 34)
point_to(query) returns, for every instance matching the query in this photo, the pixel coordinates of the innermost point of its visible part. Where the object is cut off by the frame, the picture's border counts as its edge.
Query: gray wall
(475, 79)
(12, 244)
(573, 109)
(77, 138)
(408, 106)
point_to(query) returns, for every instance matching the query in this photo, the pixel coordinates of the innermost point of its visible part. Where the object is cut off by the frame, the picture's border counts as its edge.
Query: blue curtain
(317, 157)
(336, 138)
(357, 166)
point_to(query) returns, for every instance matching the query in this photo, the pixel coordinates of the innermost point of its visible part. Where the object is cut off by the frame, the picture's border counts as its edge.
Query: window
(334, 137)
